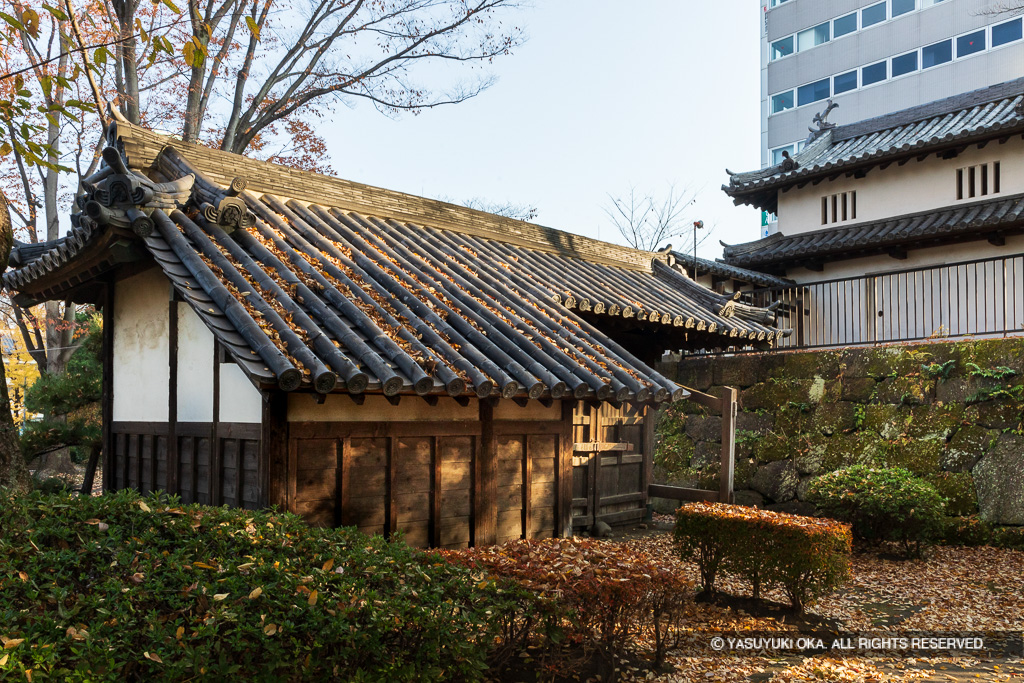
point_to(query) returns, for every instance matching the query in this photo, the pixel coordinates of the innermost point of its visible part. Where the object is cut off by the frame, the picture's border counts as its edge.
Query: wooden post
(596, 435)
(172, 396)
(435, 494)
(728, 445)
(108, 386)
(527, 498)
(390, 502)
(216, 492)
(563, 524)
(650, 420)
(485, 484)
(273, 462)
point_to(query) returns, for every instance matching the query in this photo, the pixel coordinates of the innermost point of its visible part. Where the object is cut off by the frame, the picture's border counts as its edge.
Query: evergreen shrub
(807, 557)
(125, 588)
(882, 504)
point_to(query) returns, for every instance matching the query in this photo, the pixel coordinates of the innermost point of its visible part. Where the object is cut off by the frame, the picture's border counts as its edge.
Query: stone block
(777, 481)
(857, 448)
(773, 447)
(803, 486)
(704, 428)
(735, 371)
(920, 456)
(857, 389)
(833, 418)
(996, 414)
(696, 373)
(793, 507)
(811, 458)
(935, 421)
(748, 498)
(881, 418)
(706, 453)
(967, 446)
(771, 395)
(905, 390)
(754, 422)
(999, 480)
(959, 491)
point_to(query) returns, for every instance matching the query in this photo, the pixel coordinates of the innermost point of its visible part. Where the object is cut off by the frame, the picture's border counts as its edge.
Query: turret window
(977, 181)
(836, 208)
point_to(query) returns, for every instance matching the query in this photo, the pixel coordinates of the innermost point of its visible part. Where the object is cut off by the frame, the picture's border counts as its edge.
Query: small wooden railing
(727, 405)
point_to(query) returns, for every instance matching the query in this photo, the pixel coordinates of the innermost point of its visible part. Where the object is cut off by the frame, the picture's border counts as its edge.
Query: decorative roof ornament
(820, 119)
(788, 162)
(231, 212)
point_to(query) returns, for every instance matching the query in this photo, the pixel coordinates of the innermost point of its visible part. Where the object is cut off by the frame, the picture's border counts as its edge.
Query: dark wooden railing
(978, 298)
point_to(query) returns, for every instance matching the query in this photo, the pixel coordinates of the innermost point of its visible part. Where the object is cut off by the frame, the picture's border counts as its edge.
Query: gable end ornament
(231, 213)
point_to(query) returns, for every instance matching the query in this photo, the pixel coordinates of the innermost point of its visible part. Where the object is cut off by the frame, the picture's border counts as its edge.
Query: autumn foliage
(600, 594)
(807, 557)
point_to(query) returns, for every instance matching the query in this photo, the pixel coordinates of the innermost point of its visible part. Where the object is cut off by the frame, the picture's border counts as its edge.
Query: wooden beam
(390, 493)
(485, 485)
(394, 400)
(596, 446)
(108, 386)
(726, 473)
(435, 494)
(898, 253)
(462, 400)
(358, 399)
(997, 239)
(273, 462)
(682, 494)
(650, 417)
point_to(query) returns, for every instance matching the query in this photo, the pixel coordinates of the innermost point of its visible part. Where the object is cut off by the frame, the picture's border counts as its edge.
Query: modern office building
(875, 57)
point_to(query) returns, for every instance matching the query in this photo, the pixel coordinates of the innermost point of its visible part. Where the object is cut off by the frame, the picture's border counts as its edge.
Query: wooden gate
(612, 448)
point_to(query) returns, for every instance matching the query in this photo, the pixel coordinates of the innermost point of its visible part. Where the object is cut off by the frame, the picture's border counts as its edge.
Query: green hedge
(974, 531)
(123, 588)
(807, 557)
(882, 504)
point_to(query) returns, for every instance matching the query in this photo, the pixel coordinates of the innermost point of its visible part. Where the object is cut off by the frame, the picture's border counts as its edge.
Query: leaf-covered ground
(955, 589)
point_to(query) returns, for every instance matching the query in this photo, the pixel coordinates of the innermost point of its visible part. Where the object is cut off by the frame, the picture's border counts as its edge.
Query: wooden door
(611, 464)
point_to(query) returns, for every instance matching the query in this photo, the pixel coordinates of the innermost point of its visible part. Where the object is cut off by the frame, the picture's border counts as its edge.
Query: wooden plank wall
(429, 481)
(221, 470)
(611, 464)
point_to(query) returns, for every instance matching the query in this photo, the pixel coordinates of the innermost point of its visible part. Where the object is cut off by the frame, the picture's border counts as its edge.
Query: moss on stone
(996, 414)
(935, 421)
(772, 394)
(920, 456)
(881, 419)
(959, 491)
(811, 458)
(909, 390)
(857, 389)
(967, 446)
(857, 448)
(773, 447)
(832, 418)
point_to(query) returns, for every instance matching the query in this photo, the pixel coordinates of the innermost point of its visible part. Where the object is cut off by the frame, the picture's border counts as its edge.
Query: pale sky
(605, 94)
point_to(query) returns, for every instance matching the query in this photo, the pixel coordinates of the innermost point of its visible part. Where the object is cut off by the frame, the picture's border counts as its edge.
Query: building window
(977, 181)
(812, 37)
(836, 208)
(776, 3)
(844, 82)
(874, 73)
(776, 154)
(936, 54)
(929, 3)
(1006, 32)
(971, 43)
(782, 48)
(813, 92)
(844, 25)
(869, 16)
(902, 7)
(904, 64)
(782, 101)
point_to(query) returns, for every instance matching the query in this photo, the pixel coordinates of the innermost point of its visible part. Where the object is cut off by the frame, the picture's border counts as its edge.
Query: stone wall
(951, 412)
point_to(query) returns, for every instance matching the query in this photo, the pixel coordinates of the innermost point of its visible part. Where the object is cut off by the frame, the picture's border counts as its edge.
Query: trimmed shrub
(882, 504)
(973, 531)
(807, 557)
(124, 588)
(595, 592)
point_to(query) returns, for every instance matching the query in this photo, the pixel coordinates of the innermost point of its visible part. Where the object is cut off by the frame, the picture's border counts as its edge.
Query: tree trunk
(13, 472)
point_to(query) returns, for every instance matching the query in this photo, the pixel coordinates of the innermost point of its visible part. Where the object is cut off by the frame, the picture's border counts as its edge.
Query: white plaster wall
(340, 408)
(239, 399)
(195, 367)
(141, 369)
(897, 190)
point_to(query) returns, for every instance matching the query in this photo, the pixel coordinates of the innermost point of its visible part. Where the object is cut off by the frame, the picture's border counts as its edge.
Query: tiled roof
(939, 126)
(988, 218)
(310, 282)
(725, 270)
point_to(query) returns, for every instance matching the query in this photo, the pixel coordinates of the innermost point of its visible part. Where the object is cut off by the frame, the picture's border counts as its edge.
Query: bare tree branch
(646, 222)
